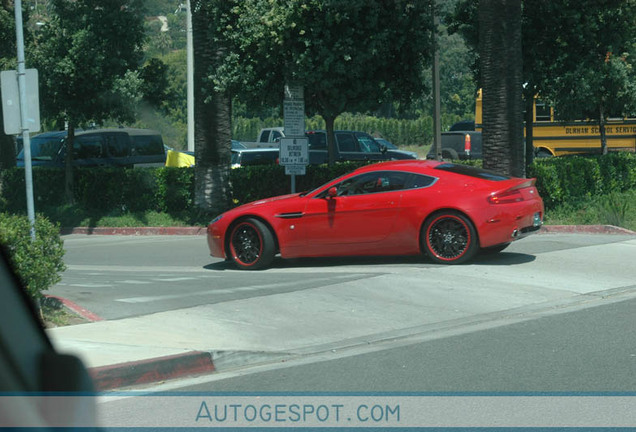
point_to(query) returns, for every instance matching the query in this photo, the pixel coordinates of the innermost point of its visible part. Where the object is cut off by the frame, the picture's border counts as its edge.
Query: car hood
(282, 199)
(403, 152)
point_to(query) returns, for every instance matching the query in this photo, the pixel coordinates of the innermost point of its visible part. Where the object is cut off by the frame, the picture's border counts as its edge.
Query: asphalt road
(588, 350)
(118, 276)
(553, 313)
(591, 351)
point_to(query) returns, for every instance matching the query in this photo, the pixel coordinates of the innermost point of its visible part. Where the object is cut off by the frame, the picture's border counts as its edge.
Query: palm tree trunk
(212, 122)
(501, 73)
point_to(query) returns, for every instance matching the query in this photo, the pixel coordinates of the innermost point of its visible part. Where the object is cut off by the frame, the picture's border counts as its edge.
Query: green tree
(8, 54)
(565, 47)
(155, 81)
(87, 54)
(349, 56)
(591, 75)
(352, 56)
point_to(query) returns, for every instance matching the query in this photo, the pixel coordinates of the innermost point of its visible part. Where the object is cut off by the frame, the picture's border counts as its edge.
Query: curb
(151, 370)
(82, 312)
(135, 231)
(585, 229)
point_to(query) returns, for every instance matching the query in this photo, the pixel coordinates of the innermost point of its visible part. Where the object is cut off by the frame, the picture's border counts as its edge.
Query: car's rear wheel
(251, 244)
(449, 238)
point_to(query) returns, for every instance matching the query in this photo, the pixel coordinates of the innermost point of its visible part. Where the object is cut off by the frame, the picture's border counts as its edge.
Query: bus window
(542, 111)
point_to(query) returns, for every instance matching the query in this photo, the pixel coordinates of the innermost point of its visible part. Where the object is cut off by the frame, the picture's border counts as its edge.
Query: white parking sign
(294, 151)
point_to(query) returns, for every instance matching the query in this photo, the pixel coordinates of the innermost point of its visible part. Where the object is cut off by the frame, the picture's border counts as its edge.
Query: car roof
(335, 131)
(414, 165)
(255, 150)
(53, 134)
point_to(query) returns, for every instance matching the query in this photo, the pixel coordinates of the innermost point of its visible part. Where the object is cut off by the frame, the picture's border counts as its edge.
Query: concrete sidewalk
(202, 339)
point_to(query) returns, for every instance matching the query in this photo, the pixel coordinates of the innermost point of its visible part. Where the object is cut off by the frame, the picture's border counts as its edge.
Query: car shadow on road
(502, 258)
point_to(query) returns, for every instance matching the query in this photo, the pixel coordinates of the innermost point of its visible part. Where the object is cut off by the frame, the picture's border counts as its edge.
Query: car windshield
(43, 148)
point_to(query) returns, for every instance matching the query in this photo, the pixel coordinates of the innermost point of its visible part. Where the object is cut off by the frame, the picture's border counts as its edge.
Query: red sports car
(445, 210)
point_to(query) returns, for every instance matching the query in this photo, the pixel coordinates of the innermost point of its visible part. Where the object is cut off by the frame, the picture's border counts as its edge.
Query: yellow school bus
(556, 138)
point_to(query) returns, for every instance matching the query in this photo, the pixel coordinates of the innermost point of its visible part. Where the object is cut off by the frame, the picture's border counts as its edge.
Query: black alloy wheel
(449, 238)
(251, 244)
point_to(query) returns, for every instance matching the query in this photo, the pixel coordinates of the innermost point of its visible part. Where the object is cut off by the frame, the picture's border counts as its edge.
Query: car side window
(419, 181)
(367, 143)
(317, 141)
(117, 145)
(376, 182)
(347, 143)
(88, 147)
(265, 136)
(147, 145)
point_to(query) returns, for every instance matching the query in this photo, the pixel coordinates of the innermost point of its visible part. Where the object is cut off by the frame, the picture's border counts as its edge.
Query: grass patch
(421, 151)
(618, 209)
(55, 314)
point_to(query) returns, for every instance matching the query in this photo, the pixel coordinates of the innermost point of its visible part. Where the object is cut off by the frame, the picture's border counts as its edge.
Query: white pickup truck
(267, 138)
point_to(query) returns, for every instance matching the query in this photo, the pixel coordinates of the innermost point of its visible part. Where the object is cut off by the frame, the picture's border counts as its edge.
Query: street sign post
(294, 148)
(11, 102)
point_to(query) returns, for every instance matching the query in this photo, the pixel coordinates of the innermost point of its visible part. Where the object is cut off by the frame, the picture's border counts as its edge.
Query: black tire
(251, 245)
(449, 153)
(491, 250)
(449, 238)
(542, 154)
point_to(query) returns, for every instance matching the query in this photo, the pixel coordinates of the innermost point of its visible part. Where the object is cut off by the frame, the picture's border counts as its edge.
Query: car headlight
(216, 219)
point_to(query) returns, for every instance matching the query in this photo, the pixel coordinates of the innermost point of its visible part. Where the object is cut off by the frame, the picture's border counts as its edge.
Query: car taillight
(512, 195)
(506, 197)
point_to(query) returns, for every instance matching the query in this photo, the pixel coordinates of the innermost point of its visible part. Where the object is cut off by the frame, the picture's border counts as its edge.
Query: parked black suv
(98, 147)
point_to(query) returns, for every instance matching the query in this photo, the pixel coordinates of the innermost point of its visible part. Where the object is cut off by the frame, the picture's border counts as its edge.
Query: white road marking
(180, 279)
(148, 299)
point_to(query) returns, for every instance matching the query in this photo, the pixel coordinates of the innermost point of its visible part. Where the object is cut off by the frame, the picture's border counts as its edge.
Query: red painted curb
(585, 229)
(84, 313)
(135, 231)
(151, 370)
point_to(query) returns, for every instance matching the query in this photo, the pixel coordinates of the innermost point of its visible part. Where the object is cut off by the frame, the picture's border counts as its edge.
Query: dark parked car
(351, 146)
(453, 146)
(99, 147)
(254, 156)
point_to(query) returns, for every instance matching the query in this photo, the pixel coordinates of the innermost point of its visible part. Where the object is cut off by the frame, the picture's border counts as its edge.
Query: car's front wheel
(251, 244)
(449, 238)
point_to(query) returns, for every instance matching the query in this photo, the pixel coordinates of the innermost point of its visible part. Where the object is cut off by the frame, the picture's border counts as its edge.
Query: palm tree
(212, 112)
(501, 76)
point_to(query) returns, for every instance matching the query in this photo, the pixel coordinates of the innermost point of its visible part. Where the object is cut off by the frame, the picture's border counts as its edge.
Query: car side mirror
(332, 192)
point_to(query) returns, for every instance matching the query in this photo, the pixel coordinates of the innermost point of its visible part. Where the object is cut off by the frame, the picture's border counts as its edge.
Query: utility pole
(437, 122)
(190, 73)
(28, 172)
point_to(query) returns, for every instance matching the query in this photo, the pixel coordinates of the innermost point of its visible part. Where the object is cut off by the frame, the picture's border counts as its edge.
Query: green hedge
(38, 263)
(108, 191)
(115, 190)
(570, 179)
(256, 182)
(400, 132)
